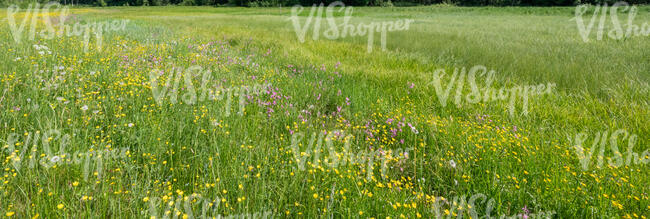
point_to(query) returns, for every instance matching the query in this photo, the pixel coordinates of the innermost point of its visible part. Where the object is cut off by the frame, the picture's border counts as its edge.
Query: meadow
(222, 111)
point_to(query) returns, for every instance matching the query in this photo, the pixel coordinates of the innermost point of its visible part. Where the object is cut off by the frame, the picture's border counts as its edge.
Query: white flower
(414, 130)
(452, 163)
(130, 124)
(84, 108)
(55, 159)
(92, 73)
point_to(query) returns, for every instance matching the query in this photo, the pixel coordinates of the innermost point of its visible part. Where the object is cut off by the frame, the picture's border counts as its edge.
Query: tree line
(276, 3)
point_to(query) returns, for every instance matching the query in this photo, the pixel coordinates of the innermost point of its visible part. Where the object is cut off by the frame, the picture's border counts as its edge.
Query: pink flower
(525, 214)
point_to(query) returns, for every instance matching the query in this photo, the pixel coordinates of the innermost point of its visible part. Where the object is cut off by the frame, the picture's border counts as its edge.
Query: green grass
(518, 160)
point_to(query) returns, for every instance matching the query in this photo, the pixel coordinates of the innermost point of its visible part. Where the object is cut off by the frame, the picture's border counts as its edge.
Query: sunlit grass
(105, 101)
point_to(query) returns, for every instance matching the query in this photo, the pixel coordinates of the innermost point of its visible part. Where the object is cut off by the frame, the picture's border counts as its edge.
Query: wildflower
(413, 129)
(10, 213)
(55, 159)
(60, 206)
(452, 163)
(525, 209)
(130, 125)
(84, 108)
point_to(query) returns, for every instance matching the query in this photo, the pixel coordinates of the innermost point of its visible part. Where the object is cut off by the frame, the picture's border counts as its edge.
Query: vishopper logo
(461, 207)
(344, 29)
(618, 31)
(346, 157)
(47, 158)
(194, 206)
(598, 147)
(57, 28)
(206, 90)
(485, 93)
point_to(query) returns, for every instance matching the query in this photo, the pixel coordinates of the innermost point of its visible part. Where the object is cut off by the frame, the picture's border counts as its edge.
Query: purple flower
(525, 214)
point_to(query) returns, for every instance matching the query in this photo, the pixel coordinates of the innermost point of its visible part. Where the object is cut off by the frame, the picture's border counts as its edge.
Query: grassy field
(95, 134)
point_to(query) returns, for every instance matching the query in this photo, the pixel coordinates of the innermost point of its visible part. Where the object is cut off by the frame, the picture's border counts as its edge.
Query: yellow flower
(60, 206)
(315, 195)
(75, 183)
(145, 199)
(10, 213)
